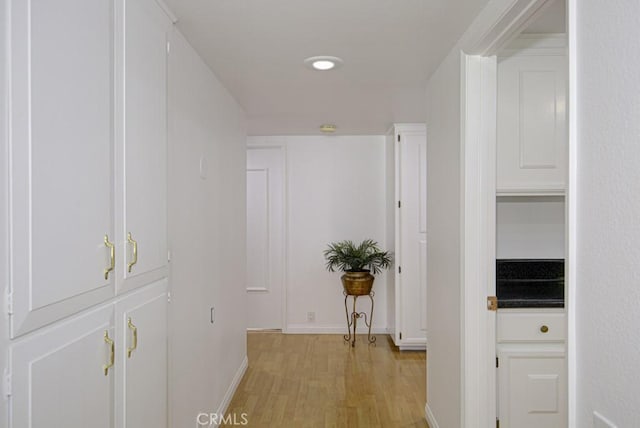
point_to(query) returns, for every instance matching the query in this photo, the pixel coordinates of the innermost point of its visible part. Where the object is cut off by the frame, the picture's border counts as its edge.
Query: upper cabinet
(532, 131)
(61, 165)
(88, 147)
(141, 207)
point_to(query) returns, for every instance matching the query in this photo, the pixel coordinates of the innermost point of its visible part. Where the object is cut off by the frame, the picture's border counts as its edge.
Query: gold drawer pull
(112, 353)
(135, 251)
(544, 329)
(134, 344)
(112, 256)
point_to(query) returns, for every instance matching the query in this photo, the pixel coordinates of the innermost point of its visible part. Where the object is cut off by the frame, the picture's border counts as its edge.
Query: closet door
(58, 374)
(142, 154)
(413, 241)
(61, 158)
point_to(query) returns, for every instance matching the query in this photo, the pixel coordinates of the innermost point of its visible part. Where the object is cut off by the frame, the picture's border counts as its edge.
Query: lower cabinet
(532, 371)
(141, 375)
(78, 373)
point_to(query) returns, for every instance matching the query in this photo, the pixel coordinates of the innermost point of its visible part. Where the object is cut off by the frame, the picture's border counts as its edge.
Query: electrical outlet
(311, 316)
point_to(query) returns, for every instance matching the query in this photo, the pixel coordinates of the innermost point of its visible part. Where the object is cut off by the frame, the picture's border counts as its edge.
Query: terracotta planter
(357, 283)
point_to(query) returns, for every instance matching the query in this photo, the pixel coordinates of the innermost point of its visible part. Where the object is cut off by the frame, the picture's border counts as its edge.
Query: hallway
(320, 381)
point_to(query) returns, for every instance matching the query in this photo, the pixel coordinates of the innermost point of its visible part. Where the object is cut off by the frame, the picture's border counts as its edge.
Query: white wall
(207, 237)
(444, 244)
(530, 227)
(4, 202)
(608, 229)
(335, 191)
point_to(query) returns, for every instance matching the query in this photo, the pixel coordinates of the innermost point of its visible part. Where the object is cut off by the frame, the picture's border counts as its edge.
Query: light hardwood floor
(319, 381)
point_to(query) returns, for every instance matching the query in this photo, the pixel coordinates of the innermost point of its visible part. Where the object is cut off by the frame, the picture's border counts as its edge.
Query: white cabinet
(141, 363)
(141, 206)
(61, 158)
(406, 206)
(69, 225)
(58, 374)
(531, 116)
(532, 369)
(88, 166)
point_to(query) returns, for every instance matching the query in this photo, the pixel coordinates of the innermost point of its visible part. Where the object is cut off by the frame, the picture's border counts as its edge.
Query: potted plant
(357, 262)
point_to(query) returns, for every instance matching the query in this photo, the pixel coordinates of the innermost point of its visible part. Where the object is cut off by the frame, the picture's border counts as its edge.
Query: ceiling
(389, 48)
(552, 20)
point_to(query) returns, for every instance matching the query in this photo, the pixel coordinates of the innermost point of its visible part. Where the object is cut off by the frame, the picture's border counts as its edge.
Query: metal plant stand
(352, 319)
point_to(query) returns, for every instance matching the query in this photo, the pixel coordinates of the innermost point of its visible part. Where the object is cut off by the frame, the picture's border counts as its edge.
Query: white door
(141, 326)
(61, 158)
(142, 191)
(533, 390)
(265, 237)
(58, 374)
(413, 237)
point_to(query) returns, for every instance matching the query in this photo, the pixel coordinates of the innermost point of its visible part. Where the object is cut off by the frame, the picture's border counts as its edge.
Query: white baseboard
(329, 329)
(226, 400)
(431, 420)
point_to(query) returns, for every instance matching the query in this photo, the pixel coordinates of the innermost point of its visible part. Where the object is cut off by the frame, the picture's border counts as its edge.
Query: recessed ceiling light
(323, 63)
(328, 128)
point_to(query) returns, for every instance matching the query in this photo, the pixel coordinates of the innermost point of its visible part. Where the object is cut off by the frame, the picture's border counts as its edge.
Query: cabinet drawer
(524, 327)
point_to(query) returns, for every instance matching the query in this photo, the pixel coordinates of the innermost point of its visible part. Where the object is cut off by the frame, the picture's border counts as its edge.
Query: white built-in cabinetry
(532, 368)
(532, 131)
(88, 222)
(406, 170)
(532, 161)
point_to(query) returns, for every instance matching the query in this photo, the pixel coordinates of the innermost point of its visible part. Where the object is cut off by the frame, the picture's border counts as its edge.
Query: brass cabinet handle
(135, 251)
(134, 345)
(112, 354)
(544, 329)
(112, 255)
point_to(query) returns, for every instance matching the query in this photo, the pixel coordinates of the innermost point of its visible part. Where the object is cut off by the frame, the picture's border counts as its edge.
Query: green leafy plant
(349, 257)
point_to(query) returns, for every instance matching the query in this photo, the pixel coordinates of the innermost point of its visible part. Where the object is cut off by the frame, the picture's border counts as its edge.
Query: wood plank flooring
(319, 381)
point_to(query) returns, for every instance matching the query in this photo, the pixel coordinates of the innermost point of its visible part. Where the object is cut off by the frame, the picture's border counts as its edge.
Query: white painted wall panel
(258, 230)
(608, 232)
(530, 227)
(444, 244)
(335, 191)
(207, 226)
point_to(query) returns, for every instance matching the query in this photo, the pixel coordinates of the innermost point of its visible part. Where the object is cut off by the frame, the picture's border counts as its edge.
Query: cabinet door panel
(58, 375)
(531, 132)
(413, 258)
(533, 389)
(144, 166)
(61, 157)
(142, 379)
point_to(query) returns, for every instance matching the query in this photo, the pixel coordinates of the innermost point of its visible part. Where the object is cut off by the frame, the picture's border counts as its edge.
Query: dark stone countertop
(530, 303)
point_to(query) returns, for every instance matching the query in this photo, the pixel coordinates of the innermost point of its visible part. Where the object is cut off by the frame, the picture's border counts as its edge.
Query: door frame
(478, 144)
(282, 148)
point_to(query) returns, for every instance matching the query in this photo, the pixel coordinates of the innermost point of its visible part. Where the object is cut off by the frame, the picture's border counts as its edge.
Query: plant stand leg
(355, 316)
(370, 338)
(347, 338)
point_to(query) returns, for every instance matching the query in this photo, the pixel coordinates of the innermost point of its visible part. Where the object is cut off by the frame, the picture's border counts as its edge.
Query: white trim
(332, 329)
(237, 378)
(478, 131)
(571, 290)
(508, 25)
(431, 419)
